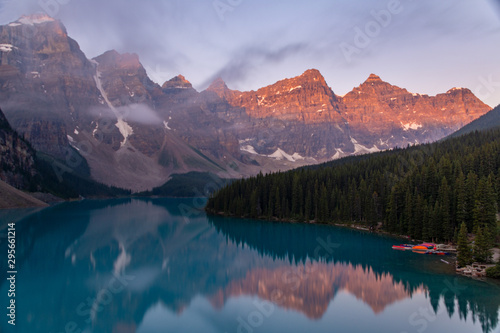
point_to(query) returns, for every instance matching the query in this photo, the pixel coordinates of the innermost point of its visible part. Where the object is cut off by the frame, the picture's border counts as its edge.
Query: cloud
(496, 6)
(140, 113)
(133, 113)
(248, 59)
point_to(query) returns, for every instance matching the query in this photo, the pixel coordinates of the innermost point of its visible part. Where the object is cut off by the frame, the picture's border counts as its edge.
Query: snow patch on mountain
(6, 47)
(360, 149)
(339, 154)
(413, 126)
(249, 149)
(297, 157)
(124, 128)
(280, 155)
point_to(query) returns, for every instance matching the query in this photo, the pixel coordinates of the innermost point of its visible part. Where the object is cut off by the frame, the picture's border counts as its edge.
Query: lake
(163, 265)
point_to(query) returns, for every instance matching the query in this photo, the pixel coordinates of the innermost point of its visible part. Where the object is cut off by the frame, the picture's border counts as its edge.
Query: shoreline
(377, 231)
(353, 226)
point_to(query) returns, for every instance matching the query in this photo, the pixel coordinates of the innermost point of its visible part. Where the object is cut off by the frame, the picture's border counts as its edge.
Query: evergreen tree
(444, 200)
(408, 226)
(485, 209)
(470, 202)
(498, 188)
(308, 206)
(426, 223)
(323, 205)
(482, 251)
(436, 222)
(461, 197)
(392, 212)
(464, 256)
(296, 195)
(277, 205)
(255, 209)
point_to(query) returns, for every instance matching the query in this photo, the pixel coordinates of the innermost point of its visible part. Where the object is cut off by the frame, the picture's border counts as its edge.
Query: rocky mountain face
(306, 98)
(105, 108)
(17, 162)
(134, 133)
(372, 117)
(486, 122)
(46, 82)
(379, 111)
(293, 119)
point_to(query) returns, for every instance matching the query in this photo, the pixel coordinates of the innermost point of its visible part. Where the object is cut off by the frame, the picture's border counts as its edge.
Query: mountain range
(133, 133)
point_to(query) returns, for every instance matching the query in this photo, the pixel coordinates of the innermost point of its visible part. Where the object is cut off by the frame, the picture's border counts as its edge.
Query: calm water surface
(158, 265)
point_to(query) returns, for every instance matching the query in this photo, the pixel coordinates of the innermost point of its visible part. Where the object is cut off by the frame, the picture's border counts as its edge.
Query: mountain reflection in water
(138, 265)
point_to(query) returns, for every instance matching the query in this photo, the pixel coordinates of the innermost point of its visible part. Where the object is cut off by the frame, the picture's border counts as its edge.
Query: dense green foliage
(482, 246)
(424, 191)
(464, 256)
(191, 184)
(494, 272)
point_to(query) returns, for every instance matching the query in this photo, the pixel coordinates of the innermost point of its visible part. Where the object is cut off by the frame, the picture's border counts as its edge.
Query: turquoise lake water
(162, 265)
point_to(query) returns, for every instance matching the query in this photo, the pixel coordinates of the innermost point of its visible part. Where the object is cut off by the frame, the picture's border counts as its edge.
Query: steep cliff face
(17, 158)
(194, 117)
(374, 116)
(306, 98)
(297, 119)
(44, 76)
(379, 111)
(124, 79)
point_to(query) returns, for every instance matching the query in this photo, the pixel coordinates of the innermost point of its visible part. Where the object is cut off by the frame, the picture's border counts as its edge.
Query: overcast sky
(426, 46)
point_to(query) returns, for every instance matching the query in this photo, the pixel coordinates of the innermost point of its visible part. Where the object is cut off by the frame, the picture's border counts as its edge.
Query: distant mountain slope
(485, 122)
(11, 197)
(191, 184)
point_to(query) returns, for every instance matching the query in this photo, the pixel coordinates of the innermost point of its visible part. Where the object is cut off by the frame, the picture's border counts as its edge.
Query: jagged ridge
(135, 133)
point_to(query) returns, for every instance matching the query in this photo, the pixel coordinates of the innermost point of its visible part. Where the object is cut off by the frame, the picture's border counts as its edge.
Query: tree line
(425, 191)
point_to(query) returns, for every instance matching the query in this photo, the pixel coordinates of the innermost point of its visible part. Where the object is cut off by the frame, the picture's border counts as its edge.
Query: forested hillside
(424, 191)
